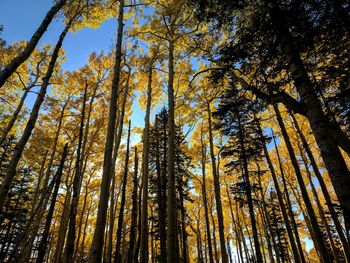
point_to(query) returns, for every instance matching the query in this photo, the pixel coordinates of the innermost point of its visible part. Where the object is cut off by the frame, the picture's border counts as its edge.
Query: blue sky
(21, 18)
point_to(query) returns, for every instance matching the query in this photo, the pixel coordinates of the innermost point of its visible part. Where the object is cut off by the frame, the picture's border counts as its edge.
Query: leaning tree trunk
(19, 148)
(133, 225)
(44, 239)
(172, 242)
(118, 256)
(98, 240)
(14, 116)
(333, 249)
(298, 255)
(205, 201)
(69, 250)
(24, 55)
(248, 191)
(331, 155)
(313, 219)
(145, 172)
(220, 216)
(324, 189)
(117, 141)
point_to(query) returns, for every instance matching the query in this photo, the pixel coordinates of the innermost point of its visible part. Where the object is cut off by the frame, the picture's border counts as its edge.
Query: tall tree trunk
(172, 244)
(313, 219)
(216, 253)
(19, 148)
(220, 216)
(239, 228)
(324, 189)
(320, 126)
(185, 258)
(321, 212)
(24, 55)
(117, 141)
(137, 247)
(69, 250)
(98, 240)
(298, 255)
(54, 148)
(161, 193)
(82, 218)
(249, 194)
(234, 227)
(205, 201)
(118, 256)
(145, 171)
(44, 239)
(133, 225)
(288, 201)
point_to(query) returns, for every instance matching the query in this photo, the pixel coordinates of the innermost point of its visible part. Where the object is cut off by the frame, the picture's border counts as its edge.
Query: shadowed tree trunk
(298, 257)
(24, 55)
(205, 201)
(220, 216)
(145, 171)
(161, 192)
(14, 116)
(320, 126)
(44, 239)
(117, 140)
(313, 219)
(245, 171)
(324, 189)
(172, 243)
(118, 256)
(69, 250)
(133, 225)
(19, 148)
(98, 240)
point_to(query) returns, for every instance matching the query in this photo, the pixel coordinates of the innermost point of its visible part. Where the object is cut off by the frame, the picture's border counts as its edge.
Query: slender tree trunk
(321, 129)
(240, 254)
(19, 148)
(219, 212)
(82, 218)
(298, 257)
(63, 227)
(54, 148)
(288, 201)
(161, 185)
(324, 189)
(216, 253)
(145, 172)
(69, 250)
(133, 225)
(14, 116)
(205, 201)
(321, 213)
(311, 212)
(183, 224)
(38, 184)
(118, 256)
(24, 55)
(172, 244)
(98, 241)
(138, 243)
(249, 195)
(117, 141)
(44, 239)
(239, 228)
